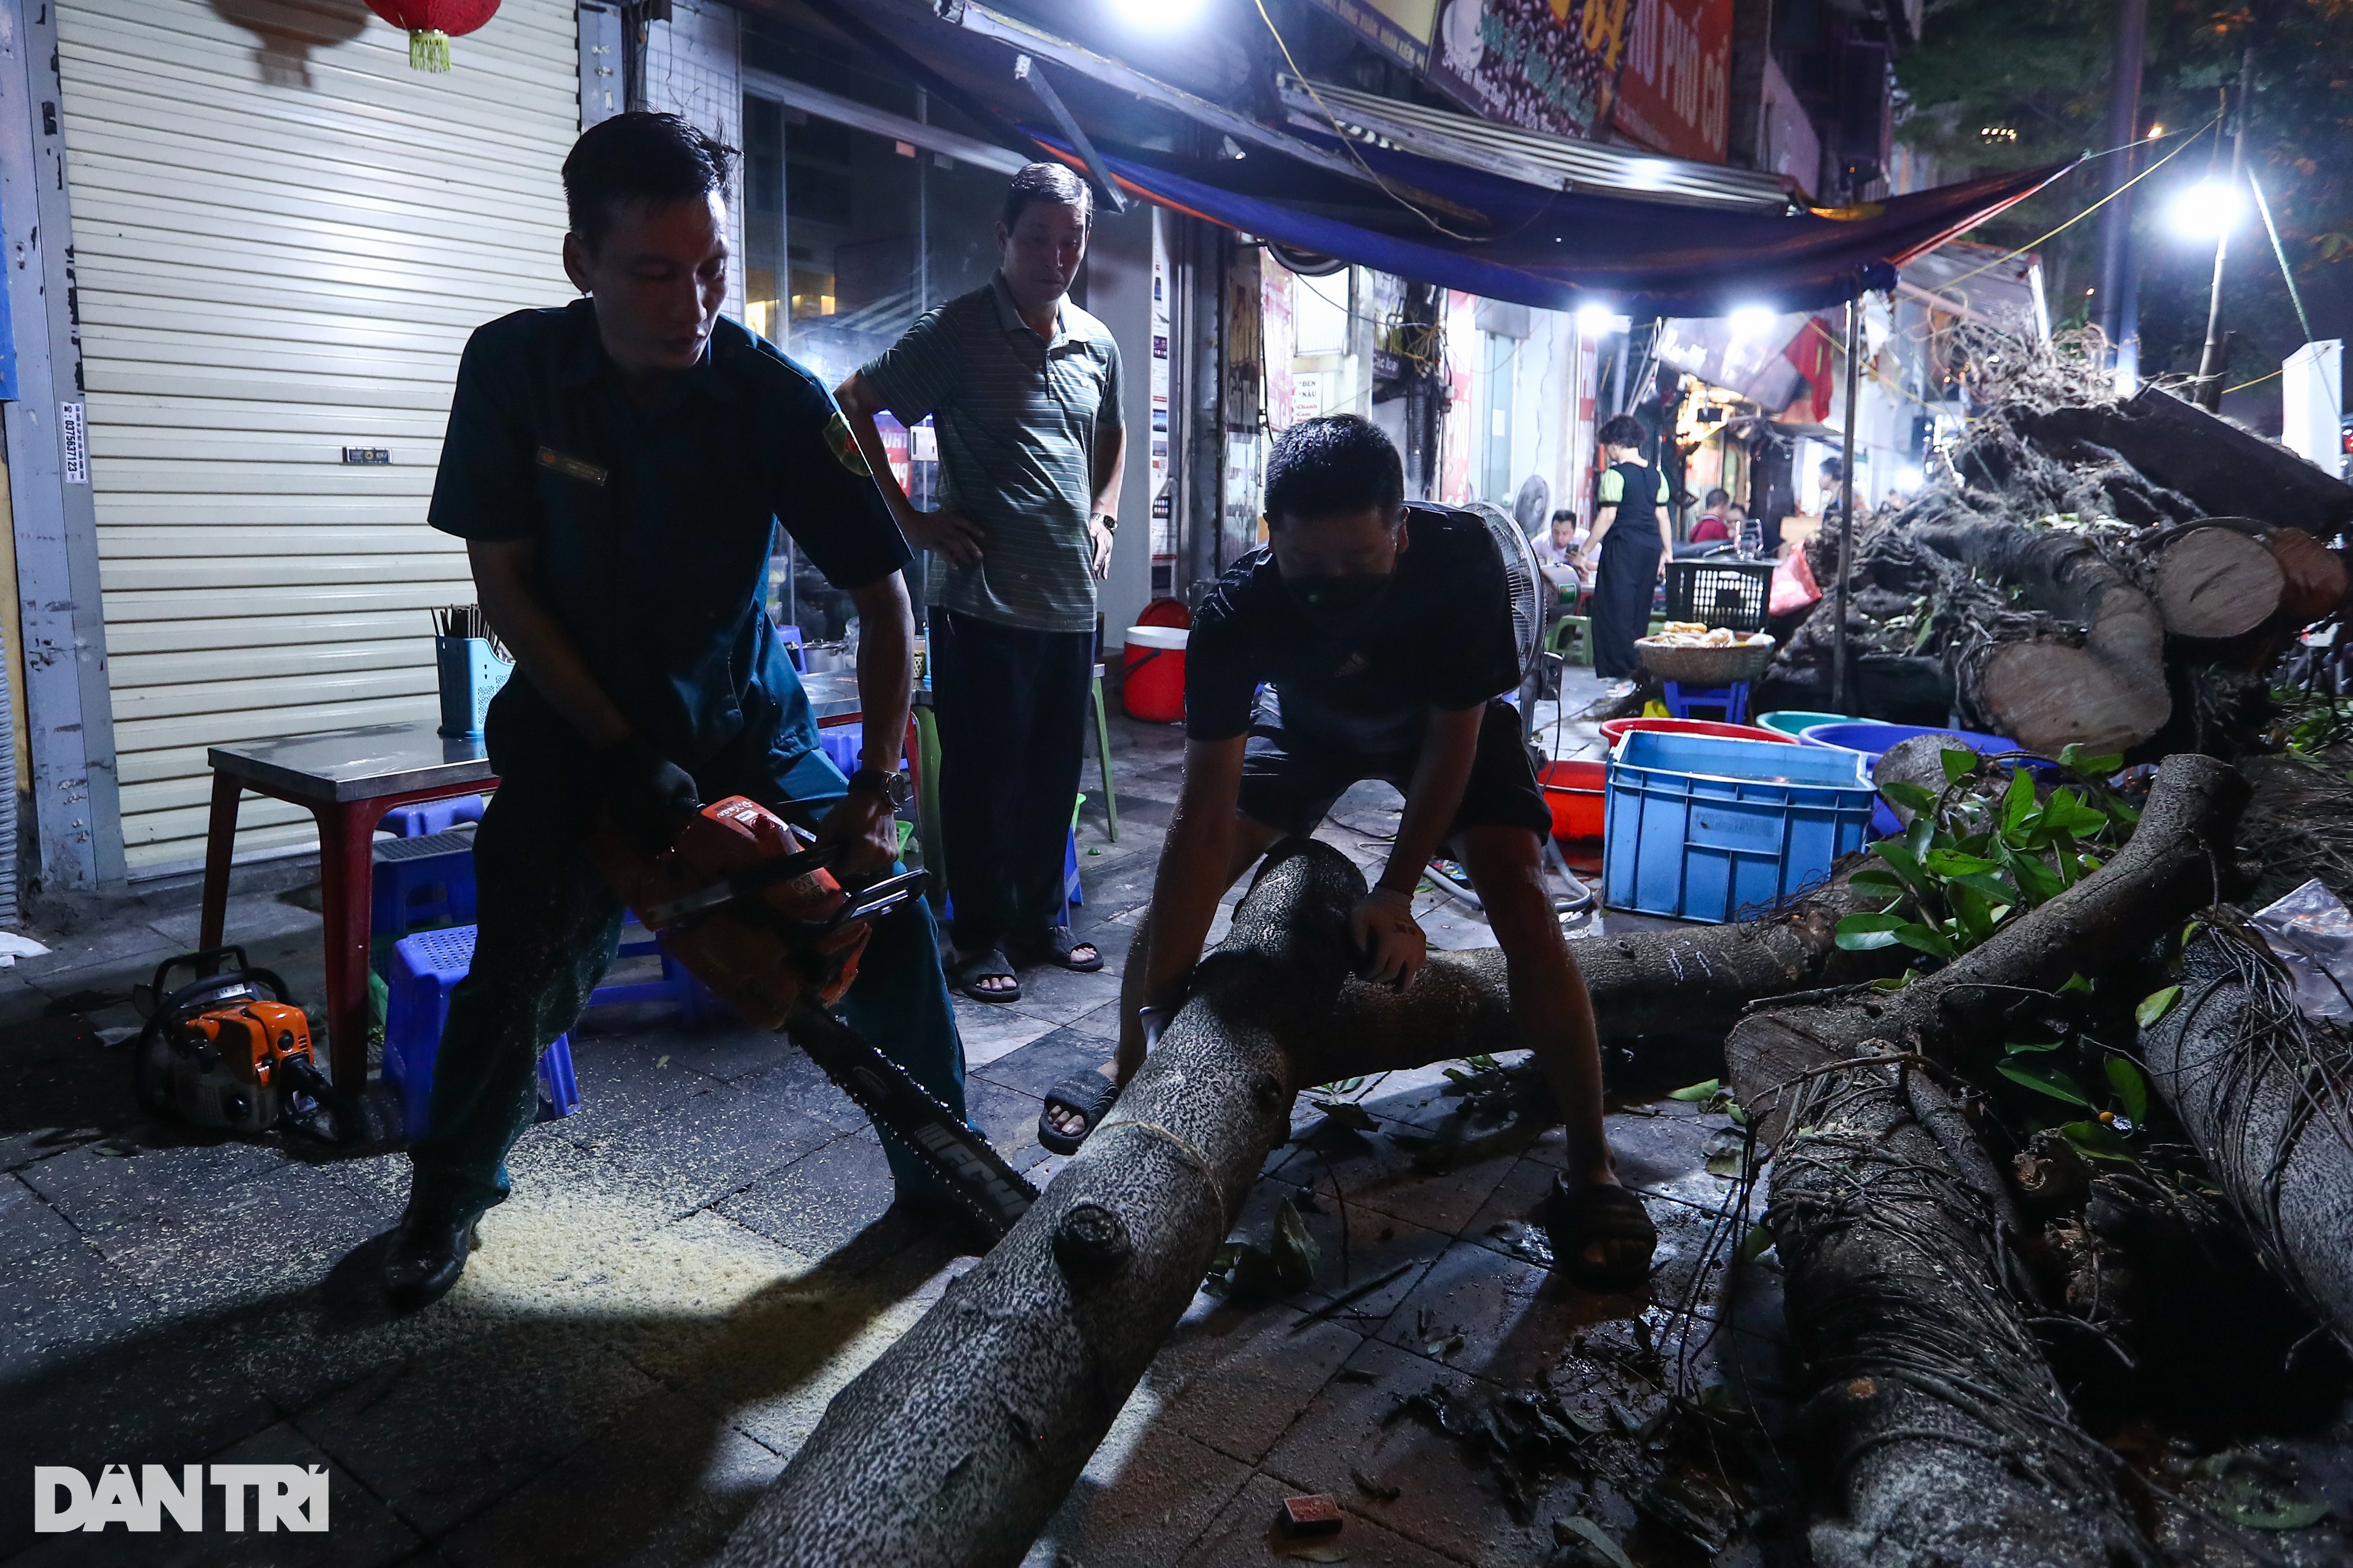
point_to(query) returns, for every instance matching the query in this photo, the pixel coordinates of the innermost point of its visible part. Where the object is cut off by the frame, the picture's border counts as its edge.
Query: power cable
(2190, 139)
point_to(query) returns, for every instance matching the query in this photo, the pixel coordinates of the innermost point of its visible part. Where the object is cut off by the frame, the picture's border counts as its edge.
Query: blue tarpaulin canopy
(1563, 250)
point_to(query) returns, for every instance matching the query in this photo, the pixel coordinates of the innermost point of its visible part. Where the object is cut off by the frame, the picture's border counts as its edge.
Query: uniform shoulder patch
(845, 446)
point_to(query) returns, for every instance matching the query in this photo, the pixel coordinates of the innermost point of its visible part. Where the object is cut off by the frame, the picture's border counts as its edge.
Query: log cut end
(2216, 584)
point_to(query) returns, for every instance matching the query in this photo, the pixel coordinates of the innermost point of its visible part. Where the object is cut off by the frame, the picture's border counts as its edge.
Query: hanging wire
(2295, 295)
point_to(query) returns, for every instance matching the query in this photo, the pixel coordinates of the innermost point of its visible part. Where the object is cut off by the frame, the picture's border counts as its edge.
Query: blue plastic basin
(1871, 739)
(1795, 721)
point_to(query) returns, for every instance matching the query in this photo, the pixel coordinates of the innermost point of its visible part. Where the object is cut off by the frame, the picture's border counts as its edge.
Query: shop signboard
(1545, 65)
(1398, 28)
(1674, 94)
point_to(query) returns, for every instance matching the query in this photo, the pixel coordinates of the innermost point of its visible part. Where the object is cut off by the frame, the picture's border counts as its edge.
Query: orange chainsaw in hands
(758, 917)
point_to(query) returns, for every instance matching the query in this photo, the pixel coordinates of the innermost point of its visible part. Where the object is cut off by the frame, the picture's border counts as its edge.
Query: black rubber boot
(426, 1258)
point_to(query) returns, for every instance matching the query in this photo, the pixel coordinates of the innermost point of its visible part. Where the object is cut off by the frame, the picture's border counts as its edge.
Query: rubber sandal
(1056, 945)
(989, 965)
(1090, 1096)
(1576, 1217)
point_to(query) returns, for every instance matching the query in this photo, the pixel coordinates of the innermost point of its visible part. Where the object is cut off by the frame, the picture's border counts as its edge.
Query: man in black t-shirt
(1382, 636)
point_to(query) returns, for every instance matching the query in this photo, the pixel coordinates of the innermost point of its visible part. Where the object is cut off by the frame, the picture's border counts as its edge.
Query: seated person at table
(1384, 634)
(1711, 527)
(617, 468)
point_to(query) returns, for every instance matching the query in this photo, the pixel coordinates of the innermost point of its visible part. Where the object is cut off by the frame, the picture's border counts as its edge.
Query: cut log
(2216, 584)
(2106, 692)
(2268, 1100)
(1895, 1233)
(2223, 468)
(2315, 579)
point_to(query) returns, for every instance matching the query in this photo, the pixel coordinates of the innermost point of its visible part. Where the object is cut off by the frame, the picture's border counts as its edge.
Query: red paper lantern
(431, 23)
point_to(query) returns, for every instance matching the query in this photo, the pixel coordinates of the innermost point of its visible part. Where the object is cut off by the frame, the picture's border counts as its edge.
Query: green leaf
(2018, 801)
(2096, 1139)
(2072, 758)
(2131, 1087)
(2156, 1005)
(1969, 911)
(1866, 934)
(1910, 797)
(2066, 812)
(1920, 835)
(1902, 861)
(2037, 883)
(1960, 764)
(1928, 940)
(1874, 882)
(1992, 888)
(1296, 1252)
(2124, 814)
(1954, 864)
(1896, 984)
(1700, 1090)
(1347, 1113)
(2044, 1081)
(2076, 984)
(1755, 1243)
(1583, 1542)
(2032, 1047)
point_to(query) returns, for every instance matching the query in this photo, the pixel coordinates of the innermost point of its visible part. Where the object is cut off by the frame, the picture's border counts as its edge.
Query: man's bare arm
(1196, 864)
(505, 579)
(1449, 742)
(1110, 463)
(886, 667)
(951, 533)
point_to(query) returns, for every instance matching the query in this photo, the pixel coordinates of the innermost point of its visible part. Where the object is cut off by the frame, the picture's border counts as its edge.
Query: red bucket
(1575, 791)
(1613, 730)
(1152, 675)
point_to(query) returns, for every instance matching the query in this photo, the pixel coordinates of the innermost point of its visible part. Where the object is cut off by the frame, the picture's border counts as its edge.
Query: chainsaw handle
(195, 989)
(205, 960)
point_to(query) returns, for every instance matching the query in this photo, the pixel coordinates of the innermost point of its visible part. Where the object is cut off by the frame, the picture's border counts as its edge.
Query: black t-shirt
(1442, 637)
(654, 528)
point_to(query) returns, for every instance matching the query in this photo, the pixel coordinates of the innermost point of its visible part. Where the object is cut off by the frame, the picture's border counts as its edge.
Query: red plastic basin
(1575, 791)
(1613, 729)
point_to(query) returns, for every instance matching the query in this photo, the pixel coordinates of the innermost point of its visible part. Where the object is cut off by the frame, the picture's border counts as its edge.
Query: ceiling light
(1750, 320)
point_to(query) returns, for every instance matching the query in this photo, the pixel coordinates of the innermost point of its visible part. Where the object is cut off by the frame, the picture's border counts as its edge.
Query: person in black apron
(1629, 536)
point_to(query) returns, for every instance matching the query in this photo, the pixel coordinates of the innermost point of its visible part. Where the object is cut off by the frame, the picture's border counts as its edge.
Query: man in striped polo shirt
(1024, 390)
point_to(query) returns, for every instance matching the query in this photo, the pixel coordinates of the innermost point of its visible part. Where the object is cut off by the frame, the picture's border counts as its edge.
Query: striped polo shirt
(1018, 418)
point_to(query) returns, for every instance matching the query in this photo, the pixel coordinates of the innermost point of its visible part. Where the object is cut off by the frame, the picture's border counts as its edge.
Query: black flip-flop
(989, 965)
(1056, 945)
(1576, 1217)
(1090, 1096)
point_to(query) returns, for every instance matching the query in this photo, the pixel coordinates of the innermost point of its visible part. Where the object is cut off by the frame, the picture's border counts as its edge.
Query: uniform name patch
(571, 468)
(845, 446)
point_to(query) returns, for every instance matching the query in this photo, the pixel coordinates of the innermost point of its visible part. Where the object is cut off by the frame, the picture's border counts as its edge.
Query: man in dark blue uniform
(616, 469)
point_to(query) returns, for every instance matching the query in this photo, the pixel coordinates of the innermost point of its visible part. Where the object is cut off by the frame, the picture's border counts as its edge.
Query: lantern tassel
(429, 49)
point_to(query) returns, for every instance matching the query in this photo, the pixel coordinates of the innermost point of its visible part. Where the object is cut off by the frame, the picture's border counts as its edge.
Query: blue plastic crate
(1717, 829)
(425, 969)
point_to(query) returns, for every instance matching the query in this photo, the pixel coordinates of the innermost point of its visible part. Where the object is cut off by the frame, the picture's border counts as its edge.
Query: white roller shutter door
(283, 241)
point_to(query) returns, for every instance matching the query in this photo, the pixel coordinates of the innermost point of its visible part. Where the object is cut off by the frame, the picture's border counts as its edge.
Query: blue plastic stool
(1731, 701)
(425, 968)
(676, 986)
(433, 815)
(841, 745)
(438, 866)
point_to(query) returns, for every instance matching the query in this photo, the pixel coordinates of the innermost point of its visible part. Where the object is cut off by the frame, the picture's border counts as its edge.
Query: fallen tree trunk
(1693, 979)
(1944, 1436)
(2106, 692)
(2315, 577)
(2267, 1097)
(2223, 468)
(2214, 584)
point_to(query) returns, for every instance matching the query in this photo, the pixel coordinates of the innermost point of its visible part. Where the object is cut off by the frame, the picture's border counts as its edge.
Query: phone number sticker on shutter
(76, 442)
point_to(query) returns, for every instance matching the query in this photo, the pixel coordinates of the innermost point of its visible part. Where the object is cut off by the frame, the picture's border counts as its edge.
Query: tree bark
(2108, 692)
(2213, 584)
(1943, 1436)
(2268, 1099)
(2315, 576)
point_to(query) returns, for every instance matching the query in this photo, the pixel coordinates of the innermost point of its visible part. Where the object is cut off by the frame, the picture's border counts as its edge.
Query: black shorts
(1291, 790)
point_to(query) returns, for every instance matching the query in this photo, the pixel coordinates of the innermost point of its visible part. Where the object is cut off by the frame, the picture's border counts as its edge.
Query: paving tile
(1447, 1501)
(56, 1304)
(274, 1240)
(821, 1202)
(250, 918)
(1058, 995)
(441, 1437)
(1242, 1392)
(993, 1029)
(58, 1088)
(1007, 1117)
(663, 1484)
(147, 1187)
(28, 1224)
(1046, 1061)
(105, 957)
(725, 1049)
(1355, 1247)
(1512, 1317)
(1102, 1024)
(1383, 1175)
(1146, 1493)
(1244, 1537)
(720, 1141)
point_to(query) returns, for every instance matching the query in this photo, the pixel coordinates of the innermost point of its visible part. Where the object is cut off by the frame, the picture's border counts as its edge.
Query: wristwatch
(892, 786)
(1111, 523)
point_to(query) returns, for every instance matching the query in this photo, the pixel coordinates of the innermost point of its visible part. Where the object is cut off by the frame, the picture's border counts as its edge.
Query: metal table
(348, 779)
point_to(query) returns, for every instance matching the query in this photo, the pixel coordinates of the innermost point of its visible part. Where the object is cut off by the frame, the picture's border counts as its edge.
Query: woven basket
(1710, 666)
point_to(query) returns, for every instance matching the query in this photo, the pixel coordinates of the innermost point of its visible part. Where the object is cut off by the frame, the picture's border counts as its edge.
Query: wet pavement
(694, 1263)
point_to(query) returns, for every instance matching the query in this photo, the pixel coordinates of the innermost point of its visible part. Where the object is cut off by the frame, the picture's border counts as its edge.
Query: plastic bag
(2311, 934)
(1793, 584)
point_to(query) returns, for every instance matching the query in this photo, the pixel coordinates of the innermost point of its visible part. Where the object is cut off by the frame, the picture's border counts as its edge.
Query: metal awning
(1531, 157)
(1980, 283)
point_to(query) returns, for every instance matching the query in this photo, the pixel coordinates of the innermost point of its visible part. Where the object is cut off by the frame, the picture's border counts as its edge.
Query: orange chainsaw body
(762, 952)
(227, 1073)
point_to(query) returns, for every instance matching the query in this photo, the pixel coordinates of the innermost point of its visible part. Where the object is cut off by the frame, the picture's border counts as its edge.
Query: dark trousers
(1623, 589)
(547, 928)
(1011, 706)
